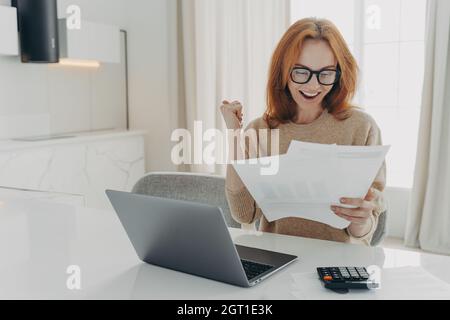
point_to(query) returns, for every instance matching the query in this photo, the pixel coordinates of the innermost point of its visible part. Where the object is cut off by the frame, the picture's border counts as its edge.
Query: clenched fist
(232, 114)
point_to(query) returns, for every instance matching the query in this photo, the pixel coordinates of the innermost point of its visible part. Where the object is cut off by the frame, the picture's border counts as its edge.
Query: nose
(313, 83)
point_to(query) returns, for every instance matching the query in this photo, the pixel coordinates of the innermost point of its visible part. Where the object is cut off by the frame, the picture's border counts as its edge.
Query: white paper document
(310, 178)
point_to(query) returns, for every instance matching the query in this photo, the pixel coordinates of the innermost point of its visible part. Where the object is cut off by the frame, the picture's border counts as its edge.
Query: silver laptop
(192, 238)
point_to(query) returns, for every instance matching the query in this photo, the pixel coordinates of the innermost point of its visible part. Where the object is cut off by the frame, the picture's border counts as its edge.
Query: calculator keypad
(343, 273)
(341, 279)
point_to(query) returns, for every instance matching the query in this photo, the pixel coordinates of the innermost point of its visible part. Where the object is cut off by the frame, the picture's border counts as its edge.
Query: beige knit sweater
(358, 129)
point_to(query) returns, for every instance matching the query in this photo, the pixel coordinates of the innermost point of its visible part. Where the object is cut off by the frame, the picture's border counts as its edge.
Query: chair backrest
(202, 188)
(208, 189)
(382, 227)
(380, 231)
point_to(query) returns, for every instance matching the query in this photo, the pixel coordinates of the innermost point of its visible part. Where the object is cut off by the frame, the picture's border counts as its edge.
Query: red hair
(281, 108)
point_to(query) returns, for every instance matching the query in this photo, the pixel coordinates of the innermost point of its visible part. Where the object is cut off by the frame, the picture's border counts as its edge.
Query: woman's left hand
(359, 216)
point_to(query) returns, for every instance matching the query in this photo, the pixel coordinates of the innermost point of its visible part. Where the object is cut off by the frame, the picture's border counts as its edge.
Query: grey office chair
(208, 189)
(380, 231)
(202, 188)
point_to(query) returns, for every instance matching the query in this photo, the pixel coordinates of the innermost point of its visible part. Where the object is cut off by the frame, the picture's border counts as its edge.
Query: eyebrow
(301, 65)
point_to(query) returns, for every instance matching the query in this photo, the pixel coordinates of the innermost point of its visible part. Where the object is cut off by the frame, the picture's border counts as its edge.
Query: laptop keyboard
(254, 269)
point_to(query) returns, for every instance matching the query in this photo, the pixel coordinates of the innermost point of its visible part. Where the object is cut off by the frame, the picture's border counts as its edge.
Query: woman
(312, 79)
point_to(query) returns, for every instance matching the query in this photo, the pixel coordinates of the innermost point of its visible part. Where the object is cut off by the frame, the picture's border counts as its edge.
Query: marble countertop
(67, 138)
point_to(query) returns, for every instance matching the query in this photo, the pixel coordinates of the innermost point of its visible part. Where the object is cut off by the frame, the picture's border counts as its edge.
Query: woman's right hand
(232, 114)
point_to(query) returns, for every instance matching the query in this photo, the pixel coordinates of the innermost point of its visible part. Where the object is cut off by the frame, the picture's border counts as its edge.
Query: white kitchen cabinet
(83, 164)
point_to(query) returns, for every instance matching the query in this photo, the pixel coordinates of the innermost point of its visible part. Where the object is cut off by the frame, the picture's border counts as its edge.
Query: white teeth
(310, 94)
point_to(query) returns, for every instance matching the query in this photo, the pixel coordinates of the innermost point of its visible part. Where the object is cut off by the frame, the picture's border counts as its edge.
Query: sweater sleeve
(242, 205)
(378, 185)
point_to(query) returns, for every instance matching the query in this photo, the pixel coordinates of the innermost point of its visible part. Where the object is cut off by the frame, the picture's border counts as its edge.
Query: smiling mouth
(309, 96)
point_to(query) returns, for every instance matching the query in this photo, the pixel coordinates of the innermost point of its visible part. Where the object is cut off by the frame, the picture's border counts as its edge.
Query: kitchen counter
(67, 138)
(84, 163)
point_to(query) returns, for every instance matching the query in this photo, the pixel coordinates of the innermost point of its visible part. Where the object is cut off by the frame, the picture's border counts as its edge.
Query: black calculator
(341, 279)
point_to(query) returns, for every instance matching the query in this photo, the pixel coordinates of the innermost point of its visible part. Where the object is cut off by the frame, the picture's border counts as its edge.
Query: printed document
(310, 178)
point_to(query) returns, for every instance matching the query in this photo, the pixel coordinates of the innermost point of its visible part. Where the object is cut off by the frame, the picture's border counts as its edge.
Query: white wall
(150, 25)
(152, 83)
(398, 202)
(38, 99)
(48, 98)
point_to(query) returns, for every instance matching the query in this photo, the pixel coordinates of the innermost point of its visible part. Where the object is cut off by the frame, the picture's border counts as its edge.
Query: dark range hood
(38, 30)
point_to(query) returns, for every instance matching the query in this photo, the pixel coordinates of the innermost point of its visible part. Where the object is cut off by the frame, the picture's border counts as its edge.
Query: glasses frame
(317, 73)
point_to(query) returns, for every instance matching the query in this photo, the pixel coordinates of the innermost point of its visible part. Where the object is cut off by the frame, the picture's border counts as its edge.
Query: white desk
(39, 240)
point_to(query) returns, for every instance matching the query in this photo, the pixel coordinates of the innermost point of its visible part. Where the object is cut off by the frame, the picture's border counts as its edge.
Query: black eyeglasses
(326, 77)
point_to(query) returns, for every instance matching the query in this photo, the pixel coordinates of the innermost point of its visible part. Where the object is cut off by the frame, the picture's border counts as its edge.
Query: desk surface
(40, 240)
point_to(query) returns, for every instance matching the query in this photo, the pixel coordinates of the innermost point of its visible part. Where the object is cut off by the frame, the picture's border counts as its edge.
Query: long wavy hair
(281, 108)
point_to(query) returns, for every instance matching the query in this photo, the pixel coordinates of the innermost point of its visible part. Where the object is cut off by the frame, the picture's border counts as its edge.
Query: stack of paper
(310, 178)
